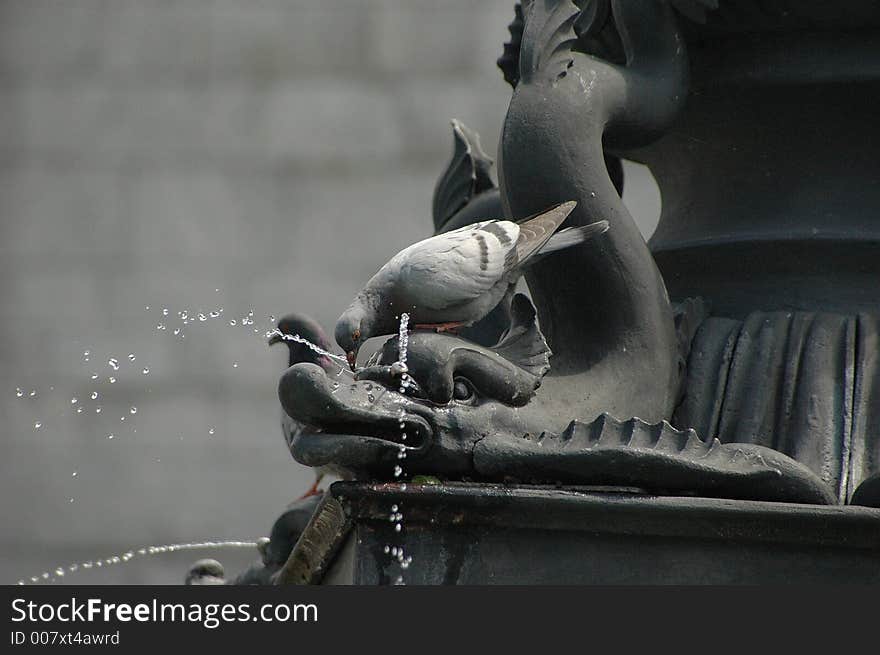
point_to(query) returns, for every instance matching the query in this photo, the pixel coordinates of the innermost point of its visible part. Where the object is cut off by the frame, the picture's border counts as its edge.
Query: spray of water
(396, 516)
(116, 364)
(308, 344)
(146, 551)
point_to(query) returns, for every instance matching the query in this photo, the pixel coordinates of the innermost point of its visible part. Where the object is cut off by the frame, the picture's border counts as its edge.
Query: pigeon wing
(536, 231)
(456, 267)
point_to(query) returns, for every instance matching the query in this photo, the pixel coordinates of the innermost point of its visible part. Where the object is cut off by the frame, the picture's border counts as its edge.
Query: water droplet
(131, 357)
(37, 425)
(70, 500)
(215, 314)
(74, 474)
(111, 436)
(398, 527)
(79, 410)
(232, 322)
(94, 376)
(387, 549)
(146, 371)
(33, 393)
(394, 508)
(113, 363)
(18, 392)
(234, 364)
(146, 307)
(202, 317)
(86, 353)
(97, 410)
(176, 331)
(73, 401)
(94, 395)
(121, 418)
(111, 380)
(164, 311)
(398, 471)
(211, 431)
(133, 410)
(161, 326)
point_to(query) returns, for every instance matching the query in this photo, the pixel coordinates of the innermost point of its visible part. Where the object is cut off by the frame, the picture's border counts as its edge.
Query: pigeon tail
(572, 236)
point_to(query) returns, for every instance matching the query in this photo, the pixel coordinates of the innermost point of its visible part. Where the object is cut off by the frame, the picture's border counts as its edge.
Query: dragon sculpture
(598, 378)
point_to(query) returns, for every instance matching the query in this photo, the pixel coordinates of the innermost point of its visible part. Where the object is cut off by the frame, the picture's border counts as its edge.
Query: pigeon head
(351, 332)
(303, 326)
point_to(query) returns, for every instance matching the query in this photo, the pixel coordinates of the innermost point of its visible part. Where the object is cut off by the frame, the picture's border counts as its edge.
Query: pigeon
(456, 278)
(296, 324)
(205, 572)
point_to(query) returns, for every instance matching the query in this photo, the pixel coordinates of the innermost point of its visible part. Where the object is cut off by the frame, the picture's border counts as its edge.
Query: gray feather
(572, 236)
(536, 231)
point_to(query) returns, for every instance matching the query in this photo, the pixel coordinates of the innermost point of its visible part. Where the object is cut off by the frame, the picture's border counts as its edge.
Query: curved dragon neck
(603, 304)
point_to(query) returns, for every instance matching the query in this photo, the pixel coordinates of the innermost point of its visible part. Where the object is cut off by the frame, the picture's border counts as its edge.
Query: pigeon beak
(351, 356)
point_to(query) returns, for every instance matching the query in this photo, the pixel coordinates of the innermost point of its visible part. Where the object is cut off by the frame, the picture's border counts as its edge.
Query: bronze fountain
(701, 408)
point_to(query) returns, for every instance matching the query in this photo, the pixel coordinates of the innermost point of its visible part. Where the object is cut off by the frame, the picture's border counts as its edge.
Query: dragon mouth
(413, 437)
(356, 425)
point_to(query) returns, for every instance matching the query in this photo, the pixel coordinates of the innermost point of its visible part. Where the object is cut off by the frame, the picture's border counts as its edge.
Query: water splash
(396, 516)
(146, 551)
(339, 359)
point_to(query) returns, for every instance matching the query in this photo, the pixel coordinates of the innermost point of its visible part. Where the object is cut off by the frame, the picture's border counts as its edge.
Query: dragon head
(455, 394)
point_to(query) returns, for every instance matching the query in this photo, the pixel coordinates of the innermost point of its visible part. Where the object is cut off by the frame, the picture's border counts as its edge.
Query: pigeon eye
(462, 390)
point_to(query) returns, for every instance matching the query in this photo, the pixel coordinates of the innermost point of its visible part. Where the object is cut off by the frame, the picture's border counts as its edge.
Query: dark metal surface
(476, 534)
(763, 147)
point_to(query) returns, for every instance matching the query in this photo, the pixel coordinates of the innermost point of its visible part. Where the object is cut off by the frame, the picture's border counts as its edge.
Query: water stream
(59, 572)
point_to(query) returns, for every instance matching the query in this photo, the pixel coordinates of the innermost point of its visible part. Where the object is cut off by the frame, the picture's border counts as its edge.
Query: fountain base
(498, 534)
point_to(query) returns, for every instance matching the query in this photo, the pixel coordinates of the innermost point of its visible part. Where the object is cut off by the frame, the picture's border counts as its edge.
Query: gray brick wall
(154, 151)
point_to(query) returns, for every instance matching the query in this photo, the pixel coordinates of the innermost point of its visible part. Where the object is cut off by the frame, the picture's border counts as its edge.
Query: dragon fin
(523, 344)
(466, 175)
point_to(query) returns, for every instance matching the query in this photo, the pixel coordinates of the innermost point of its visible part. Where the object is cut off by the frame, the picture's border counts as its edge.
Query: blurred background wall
(201, 156)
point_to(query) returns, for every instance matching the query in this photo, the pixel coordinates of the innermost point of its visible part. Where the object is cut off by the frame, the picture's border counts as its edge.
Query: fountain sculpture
(703, 408)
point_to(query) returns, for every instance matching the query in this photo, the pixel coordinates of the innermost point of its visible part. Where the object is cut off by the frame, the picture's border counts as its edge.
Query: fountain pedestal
(494, 534)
